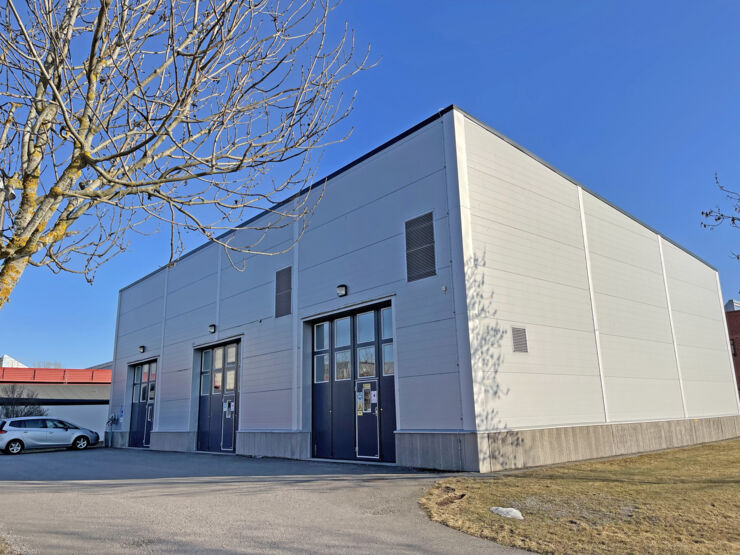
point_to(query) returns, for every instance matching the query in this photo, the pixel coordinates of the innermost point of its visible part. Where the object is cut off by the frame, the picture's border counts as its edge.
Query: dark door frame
(386, 453)
(145, 388)
(233, 395)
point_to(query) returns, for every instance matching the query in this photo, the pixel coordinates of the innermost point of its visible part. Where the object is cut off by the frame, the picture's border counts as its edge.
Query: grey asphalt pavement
(136, 501)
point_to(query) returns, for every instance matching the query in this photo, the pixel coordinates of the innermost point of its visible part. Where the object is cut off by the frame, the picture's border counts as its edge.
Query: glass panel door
(218, 399)
(353, 394)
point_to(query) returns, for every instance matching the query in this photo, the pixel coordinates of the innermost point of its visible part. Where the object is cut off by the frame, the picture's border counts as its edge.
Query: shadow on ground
(138, 464)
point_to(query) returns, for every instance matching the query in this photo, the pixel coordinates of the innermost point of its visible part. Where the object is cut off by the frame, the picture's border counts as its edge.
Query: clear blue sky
(639, 101)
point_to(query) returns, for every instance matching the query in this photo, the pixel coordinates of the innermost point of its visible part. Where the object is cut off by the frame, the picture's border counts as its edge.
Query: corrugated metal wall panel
(633, 319)
(193, 268)
(531, 273)
(709, 398)
(643, 398)
(551, 350)
(266, 410)
(428, 401)
(703, 351)
(535, 400)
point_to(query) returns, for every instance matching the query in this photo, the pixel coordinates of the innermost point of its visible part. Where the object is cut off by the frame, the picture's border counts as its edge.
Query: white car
(41, 432)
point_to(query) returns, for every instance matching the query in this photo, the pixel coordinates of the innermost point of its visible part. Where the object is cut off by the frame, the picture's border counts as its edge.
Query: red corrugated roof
(55, 375)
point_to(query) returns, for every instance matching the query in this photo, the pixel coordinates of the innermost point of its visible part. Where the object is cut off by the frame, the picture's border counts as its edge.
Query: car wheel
(80, 443)
(14, 447)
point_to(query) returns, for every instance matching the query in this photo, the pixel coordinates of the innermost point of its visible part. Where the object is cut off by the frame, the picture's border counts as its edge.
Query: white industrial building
(455, 303)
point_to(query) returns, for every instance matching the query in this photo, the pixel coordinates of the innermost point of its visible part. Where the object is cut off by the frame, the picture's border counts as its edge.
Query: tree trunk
(10, 272)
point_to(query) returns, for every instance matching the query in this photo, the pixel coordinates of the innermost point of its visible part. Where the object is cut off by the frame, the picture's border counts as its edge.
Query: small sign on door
(358, 398)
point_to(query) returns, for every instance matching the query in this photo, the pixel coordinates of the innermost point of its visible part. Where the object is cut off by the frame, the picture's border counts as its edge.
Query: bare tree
(718, 216)
(187, 115)
(14, 402)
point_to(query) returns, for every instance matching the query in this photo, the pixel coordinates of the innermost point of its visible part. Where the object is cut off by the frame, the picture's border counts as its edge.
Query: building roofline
(397, 138)
(577, 183)
(307, 189)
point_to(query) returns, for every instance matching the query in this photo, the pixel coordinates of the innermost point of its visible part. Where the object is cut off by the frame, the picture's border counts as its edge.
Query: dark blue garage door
(354, 406)
(218, 400)
(142, 403)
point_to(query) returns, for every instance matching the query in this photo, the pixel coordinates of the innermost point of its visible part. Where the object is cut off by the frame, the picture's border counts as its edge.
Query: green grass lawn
(679, 501)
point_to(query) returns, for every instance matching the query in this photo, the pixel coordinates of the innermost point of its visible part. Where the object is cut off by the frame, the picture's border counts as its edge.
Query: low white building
(455, 303)
(7, 361)
(79, 396)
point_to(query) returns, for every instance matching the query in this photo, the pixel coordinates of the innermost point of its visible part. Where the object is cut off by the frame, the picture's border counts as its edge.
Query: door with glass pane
(353, 392)
(142, 403)
(218, 399)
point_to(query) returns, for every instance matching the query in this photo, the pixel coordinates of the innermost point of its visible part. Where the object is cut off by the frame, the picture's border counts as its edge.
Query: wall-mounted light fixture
(142, 348)
(342, 290)
(211, 328)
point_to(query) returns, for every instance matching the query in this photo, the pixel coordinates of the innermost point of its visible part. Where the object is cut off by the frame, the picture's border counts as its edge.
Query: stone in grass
(508, 512)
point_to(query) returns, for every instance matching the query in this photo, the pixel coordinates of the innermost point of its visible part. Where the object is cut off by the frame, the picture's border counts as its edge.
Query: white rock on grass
(508, 512)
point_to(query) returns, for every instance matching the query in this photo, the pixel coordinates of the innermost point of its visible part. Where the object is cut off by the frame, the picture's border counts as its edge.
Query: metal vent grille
(420, 262)
(283, 289)
(519, 335)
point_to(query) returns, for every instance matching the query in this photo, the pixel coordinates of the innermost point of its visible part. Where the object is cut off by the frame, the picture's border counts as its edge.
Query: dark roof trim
(14, 401)
(307, 189)
(402, 136)
(586, 189)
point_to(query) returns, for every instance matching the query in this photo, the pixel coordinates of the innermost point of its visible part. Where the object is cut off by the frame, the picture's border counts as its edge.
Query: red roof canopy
(55, 375)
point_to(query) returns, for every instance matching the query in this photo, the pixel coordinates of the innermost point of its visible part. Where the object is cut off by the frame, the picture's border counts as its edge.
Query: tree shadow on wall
(498, 446)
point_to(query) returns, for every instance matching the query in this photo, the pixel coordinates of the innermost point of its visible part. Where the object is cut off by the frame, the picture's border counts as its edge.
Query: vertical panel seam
(115, 364)
(597, 339)
(673, 327)
(195, 403)
(218, 292)
(297, 339)
(160, 363)
(727, 341)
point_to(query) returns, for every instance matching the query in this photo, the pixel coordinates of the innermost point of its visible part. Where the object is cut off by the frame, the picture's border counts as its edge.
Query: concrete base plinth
(488, 452)
(172, 441)
(286, 445)
(437, 450)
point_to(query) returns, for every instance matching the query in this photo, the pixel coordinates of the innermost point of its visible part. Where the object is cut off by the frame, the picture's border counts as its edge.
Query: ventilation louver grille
(519, 335)
(420, 262)
(283, 290)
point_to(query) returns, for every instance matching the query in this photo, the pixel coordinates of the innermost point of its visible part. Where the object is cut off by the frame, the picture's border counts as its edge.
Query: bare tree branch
(119, 116)
(718, 216)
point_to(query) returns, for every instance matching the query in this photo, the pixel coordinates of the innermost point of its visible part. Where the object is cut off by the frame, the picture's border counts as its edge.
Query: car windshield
(2, 424)
(70, 425)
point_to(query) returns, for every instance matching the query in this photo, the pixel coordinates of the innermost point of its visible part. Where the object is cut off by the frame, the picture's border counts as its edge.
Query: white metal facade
(621, 325)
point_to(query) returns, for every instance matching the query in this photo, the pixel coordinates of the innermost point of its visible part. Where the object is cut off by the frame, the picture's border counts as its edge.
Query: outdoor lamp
(341, 290)
(212, 328)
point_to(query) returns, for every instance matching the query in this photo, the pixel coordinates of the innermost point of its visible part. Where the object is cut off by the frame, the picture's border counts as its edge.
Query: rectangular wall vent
(283, 290)
(519, 335)
(420, 262)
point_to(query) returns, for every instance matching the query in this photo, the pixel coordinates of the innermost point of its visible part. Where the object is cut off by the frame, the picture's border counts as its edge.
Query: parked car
(35, 432)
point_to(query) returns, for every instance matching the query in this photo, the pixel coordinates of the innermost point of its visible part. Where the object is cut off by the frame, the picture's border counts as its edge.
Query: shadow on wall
(498, 447)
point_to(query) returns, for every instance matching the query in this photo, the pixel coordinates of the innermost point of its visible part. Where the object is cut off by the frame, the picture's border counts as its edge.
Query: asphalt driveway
(123, 500)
